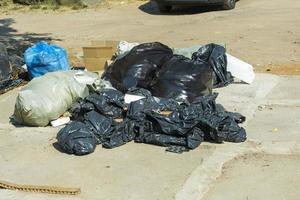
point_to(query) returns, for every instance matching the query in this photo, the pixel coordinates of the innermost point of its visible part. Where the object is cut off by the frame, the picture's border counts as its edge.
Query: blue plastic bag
(42, 58)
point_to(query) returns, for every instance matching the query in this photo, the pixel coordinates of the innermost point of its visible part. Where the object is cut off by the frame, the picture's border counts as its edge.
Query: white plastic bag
(47, 97)
(124, 47)
(240, 69)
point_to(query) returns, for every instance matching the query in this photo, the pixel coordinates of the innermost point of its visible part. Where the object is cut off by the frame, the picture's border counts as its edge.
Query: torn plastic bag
(215, 56)
(189, 125)
(227, 123)
(108, 102)
(99, 124)
(215, 121)
(80, 108)
(182, 78)
(42, 58)
(121, 133)
(80, 138)
(233, 132)
(76, 138)
(178, 144)
(137, 109)
(108, 132)
(138, 67)
(46, 98)
(5, 68)
(168, 131)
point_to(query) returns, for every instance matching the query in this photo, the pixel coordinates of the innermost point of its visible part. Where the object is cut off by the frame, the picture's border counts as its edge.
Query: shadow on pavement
(151, 8)
(15, 44)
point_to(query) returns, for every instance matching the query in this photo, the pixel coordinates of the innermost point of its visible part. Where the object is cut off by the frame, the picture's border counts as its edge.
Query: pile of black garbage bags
(11, 72)
(178, 109)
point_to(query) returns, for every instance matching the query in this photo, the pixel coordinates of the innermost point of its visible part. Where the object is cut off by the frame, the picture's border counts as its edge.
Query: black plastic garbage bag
(11, 73)
(233, 132)
(137, 109)
(54, 2)
(139, 92)
(188, 125)
(121, 133)
(138, 67)
(9, 84)
(108, 102)
(5, 68)
(98, 111)
(98, 124)
(162, 104)
(181, 78)
(182, 129)
(80, 108)
(215, 121)
(227, 123)
(169, 131)
(215, 56)
(154, 134)
(16, 62)
(32, 2)
(76, 138)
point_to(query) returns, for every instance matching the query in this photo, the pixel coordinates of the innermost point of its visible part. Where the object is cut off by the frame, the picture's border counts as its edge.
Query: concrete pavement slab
(258, 176)
(140, 171)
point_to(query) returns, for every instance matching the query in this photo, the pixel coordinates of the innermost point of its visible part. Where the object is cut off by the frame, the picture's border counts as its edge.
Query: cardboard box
(96, 64)
(105, 43)
(98, 56)
(98, 52)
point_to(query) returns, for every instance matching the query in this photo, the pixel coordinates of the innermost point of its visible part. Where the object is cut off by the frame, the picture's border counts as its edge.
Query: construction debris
(40, 189)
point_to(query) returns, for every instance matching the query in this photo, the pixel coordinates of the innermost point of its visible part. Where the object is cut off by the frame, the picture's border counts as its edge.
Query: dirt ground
(262, 32)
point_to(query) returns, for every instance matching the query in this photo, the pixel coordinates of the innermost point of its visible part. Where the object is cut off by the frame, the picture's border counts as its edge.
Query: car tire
(164, 8)
(229, 4)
